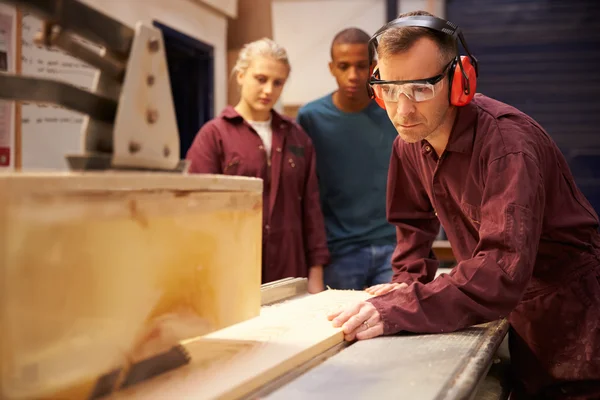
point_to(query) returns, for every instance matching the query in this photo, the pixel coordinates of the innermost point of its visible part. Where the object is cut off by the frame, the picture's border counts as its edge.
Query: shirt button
(279, 149)
(261, 147)
(267, 227)
(427, 148)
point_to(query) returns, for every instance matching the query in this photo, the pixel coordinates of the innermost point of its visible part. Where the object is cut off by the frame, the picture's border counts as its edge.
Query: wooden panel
(233, 362)
(443, 250)
(103, 269)
(18, 63)
(254, 21)
(291, 110)
(233, 89)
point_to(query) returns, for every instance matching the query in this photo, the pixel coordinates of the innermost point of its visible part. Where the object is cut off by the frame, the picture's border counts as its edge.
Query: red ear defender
(370, 90)
(461, 91)
(379, 102)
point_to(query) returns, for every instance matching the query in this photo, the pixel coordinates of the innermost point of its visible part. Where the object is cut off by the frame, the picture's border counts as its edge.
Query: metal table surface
(431, 366)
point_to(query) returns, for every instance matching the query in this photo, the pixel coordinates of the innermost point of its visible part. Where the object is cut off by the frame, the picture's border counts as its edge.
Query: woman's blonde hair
(263, 47)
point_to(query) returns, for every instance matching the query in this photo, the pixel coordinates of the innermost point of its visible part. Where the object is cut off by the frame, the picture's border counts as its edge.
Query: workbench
(412, 366)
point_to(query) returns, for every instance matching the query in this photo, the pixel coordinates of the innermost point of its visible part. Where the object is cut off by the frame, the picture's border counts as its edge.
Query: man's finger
(337, 311)
(334, 314)
(389, 288)
(373, 289)
(384, 290)
(370, 333)
(358, 319)
(371, 327)
(345, 315)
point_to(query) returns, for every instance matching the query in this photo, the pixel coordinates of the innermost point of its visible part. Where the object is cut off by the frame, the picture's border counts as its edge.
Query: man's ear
(331, 67)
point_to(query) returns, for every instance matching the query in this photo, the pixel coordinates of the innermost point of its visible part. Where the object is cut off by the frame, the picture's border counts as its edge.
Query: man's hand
(384, 288)
(315, 279)
(360, 321)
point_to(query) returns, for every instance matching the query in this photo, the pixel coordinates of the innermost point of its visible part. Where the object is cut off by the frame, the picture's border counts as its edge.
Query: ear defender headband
(462, 84)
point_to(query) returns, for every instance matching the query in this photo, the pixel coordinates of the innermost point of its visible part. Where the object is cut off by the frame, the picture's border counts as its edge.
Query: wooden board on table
(101, 269)
(233, 362)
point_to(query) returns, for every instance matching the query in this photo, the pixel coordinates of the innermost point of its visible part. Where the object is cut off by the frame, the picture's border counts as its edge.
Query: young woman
(251, 139)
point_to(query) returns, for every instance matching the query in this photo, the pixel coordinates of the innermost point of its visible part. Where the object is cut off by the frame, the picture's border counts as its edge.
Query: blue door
(191, 72)
(543, 57)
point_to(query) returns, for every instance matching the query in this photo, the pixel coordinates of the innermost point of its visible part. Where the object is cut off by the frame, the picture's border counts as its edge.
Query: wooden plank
(232, 362)
(102, 270)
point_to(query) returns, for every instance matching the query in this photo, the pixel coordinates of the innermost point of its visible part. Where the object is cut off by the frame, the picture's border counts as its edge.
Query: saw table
(440, 366)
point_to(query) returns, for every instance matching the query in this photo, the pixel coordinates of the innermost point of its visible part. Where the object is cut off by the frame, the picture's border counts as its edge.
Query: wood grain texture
(232, 362)
(101, 270)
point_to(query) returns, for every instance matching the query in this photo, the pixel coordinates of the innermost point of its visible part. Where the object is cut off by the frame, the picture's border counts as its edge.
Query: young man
(353, 142)
(525, 237)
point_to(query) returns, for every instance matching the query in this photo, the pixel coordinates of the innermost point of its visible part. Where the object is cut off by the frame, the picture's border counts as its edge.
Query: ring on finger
(366, 323)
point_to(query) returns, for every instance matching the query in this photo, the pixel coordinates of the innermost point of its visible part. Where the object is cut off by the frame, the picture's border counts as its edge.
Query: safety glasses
(416, 90)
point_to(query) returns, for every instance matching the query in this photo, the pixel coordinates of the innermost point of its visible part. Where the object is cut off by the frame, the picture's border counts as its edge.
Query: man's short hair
(350, 36)
(400, 39)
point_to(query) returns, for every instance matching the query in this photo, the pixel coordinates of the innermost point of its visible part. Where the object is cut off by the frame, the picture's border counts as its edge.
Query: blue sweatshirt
(353, 152)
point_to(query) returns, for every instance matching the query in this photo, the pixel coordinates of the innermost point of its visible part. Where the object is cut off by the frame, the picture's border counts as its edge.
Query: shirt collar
(462, 135)
(230, 114)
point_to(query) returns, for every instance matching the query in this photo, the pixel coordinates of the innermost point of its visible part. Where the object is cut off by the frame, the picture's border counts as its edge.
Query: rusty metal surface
(441, 366)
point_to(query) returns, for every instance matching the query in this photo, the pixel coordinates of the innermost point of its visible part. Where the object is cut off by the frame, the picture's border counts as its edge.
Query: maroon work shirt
(525, 238)
(293, 228)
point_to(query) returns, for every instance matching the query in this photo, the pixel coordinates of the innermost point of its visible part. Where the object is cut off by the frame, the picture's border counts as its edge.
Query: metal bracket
(145, 132)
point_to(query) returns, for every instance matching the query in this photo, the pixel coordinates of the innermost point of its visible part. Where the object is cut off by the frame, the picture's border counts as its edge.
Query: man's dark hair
(401, 39)
(350, 36)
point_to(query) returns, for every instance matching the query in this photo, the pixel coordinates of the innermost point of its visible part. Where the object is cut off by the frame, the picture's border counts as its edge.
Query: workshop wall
(308, 48)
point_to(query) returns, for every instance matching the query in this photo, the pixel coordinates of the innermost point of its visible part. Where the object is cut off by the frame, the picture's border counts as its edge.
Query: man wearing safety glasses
(525, 238)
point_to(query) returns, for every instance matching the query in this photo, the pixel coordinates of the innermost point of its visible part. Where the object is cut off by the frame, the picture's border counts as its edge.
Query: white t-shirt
(264, 130)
